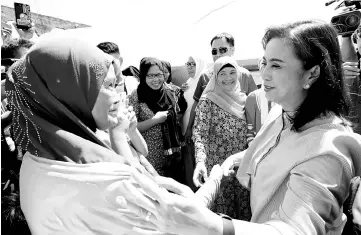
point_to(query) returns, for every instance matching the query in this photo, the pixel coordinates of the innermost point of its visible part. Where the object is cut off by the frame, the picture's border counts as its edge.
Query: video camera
(347, 21)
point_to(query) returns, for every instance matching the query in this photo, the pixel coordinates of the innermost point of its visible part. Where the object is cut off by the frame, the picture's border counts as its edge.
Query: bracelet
(228, 226)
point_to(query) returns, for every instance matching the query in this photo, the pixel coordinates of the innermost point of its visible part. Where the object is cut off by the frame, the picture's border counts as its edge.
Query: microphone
(330, 2)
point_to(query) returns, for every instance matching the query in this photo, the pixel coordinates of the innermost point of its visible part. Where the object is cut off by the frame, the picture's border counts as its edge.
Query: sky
(175, 29)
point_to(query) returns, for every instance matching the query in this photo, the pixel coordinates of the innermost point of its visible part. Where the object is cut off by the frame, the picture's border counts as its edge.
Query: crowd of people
(86, 151)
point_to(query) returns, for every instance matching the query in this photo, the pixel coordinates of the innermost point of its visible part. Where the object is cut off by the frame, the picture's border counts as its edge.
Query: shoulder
(205, 103)
(133, 97)
(251, 98)
(244, 72)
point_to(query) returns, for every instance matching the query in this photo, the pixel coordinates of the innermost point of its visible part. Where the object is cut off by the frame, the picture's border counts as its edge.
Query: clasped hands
(150, 205)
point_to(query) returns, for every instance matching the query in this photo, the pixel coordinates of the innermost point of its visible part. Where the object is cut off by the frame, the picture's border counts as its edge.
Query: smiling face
(283, 75)
(155, 77)
(191, 69)
(106, 106)
(227, 78)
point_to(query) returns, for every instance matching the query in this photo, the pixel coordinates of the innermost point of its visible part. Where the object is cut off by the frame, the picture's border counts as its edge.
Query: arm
(138, 142)
(119, 142)
(251, 117)
(146, 124)
(201, 130)
(348, 50)
(200, 138)
(315, 194)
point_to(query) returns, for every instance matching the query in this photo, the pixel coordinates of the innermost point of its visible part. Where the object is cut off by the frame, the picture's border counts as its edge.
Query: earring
(307, 86)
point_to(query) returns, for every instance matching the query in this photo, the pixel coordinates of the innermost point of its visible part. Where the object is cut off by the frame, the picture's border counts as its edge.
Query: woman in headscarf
(156, 106)
(194, 67)
(60, 93)
(219, 131)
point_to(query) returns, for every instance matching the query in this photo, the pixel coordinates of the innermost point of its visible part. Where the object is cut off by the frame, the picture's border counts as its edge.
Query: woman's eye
(275, 66)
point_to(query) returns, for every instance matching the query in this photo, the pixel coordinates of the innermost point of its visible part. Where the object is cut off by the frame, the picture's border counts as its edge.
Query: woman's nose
(264, 72)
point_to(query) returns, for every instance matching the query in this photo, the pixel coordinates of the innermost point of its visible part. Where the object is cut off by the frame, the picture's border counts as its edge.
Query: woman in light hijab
(220, 131)
(60, 93)
(194, 67)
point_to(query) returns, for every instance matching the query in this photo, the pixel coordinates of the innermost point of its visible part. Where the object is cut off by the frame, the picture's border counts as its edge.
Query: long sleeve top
(299, 181)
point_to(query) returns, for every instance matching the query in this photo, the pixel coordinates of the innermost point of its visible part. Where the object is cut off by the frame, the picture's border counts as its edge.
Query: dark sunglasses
(8, 61)
(190, 64)
(221, 50)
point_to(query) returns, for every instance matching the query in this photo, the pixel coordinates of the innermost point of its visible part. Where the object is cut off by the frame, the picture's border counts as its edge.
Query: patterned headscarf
(52, 91)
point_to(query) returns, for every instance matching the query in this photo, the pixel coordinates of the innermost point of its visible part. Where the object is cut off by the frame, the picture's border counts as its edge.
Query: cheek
(105, 98)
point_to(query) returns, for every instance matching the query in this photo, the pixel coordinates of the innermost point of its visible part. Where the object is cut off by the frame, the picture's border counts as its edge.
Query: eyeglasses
(110, 82)
(221, 50)
(190, 64)
(157, 75)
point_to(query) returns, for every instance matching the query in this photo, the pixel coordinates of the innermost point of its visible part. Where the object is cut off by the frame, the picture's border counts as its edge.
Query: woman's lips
(268, 88)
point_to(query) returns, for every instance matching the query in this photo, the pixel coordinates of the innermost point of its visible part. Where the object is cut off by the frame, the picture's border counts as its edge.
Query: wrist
(117, 134)
(215, 227)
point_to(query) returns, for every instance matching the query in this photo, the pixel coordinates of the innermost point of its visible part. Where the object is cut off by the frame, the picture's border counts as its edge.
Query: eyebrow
(274, 60)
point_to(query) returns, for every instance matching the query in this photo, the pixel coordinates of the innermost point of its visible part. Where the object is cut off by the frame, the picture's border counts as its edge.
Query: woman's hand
(123, 121)
(229, 164)
(161, 116)
(132, 119)
(184, 86)
(180, 212)
(200, 172)
(350, 70)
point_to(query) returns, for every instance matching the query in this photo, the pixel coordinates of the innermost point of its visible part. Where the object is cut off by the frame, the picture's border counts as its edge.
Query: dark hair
(167, 67)
(108, 47)
(10, 48)
(315, 43)
(229, 38)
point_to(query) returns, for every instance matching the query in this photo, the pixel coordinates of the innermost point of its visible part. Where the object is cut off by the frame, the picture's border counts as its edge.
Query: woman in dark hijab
(156, 106)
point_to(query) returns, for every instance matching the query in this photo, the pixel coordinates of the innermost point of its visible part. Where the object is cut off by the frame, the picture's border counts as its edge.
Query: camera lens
(352, 20)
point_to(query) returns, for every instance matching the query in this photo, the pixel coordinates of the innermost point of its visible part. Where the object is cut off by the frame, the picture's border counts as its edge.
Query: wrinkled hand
(180, 212)
(161, 116)
(350, 70)
(184, 86)
(132, 119)
(229, 164)
(123, 121)
(200, 172)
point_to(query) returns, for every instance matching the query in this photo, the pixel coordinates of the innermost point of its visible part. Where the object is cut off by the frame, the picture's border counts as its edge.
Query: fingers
(350, 63)
(227, 168)
(196, 176)
(350, 68)
(138, 200)
(151, 188)
(205, 175)
(174, 186)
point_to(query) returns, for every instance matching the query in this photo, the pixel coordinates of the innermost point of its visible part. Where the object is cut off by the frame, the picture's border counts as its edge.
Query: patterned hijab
(52, 91)
(232, 101)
